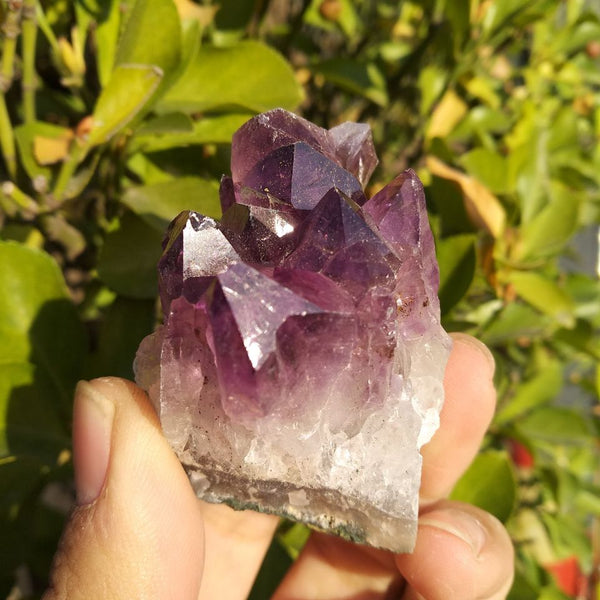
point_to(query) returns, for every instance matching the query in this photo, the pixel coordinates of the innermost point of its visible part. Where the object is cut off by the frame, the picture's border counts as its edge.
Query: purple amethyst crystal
(300, 365)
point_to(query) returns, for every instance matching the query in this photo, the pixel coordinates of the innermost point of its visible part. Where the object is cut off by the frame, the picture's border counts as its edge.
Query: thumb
(136, 531)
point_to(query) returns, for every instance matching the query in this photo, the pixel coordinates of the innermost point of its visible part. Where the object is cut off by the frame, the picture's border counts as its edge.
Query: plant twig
(10, 28)
(29, 27)
(23, 203)
(76, 154)
(7, 139)
(45, 28)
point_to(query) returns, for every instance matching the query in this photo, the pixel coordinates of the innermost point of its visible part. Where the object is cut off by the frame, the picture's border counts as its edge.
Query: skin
(138, 530)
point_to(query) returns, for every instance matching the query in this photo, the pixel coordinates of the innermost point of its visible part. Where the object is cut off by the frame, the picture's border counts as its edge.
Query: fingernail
(93, 416)
(460, 524)
(469, 340)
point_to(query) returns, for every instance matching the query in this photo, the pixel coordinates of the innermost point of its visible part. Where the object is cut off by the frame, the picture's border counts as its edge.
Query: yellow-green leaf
(41, 353)
(551, 228)
(531, 394)
(49, 150)
(160, 203)
(208, 130)
(446, 115)
(129, 89)
(545, 295)
(249, 75)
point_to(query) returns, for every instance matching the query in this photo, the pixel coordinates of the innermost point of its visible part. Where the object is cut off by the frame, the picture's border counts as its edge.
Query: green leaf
(126, 94)
(481, 121)
(456, 259)
(556, 425)
(41, 352)
(432, 81)
(218, 129)
(357, 78)
(568, 537)
(125, 324)
(485, 90)
(583, 338)
(489, 167)
(531, 394)
(489, 483)
(499, 14)
(191, 40)
(82, 177)
(274, 567)
(208, 130)
(249, 75)
(107, 36)
(160, 203)
(587, 502)
(579, 36)
(152, 36)
(584, 289)
(450, 205)
(127, 262)
(146, 170)
(349, 20)
(528, 161)
(31, 424)
(545, 295)
(19, 479)
(551, 592)
(548, 232)
(106, 17)
(522, 589)
(457, 12)
(516, 321)
(166, 124)
(563, 134)
(147, 60)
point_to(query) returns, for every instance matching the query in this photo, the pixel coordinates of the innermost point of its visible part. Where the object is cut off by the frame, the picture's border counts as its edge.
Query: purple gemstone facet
(300, 366)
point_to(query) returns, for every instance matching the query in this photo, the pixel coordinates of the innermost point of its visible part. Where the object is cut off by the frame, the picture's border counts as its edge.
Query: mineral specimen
(300, 365)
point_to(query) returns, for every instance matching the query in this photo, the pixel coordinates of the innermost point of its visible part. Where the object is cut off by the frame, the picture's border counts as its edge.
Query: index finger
(468, 409)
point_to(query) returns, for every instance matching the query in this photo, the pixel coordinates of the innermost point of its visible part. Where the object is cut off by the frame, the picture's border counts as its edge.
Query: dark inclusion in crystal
(301, 362)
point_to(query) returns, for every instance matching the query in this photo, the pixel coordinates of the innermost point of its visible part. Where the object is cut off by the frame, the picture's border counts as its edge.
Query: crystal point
(300, 366)
(260, 305)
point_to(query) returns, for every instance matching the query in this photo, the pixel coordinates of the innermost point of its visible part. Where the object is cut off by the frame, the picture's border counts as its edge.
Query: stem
(46, 29)
(29, 40)
(25, 205)
(7, 139)
(76, 154)
(10, 28)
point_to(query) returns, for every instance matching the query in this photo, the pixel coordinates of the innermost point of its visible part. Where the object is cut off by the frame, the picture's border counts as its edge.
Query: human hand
(138, 530)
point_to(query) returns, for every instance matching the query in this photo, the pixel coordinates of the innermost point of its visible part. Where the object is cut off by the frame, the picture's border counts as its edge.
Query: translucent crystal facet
(300, 366)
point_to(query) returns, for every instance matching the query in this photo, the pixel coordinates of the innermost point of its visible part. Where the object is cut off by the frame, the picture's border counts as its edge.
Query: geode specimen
(300, 365)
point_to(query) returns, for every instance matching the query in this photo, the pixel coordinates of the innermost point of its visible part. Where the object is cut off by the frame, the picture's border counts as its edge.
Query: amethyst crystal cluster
(300, 366)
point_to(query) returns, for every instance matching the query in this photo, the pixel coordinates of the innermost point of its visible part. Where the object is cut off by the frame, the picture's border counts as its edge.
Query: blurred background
(114, 117)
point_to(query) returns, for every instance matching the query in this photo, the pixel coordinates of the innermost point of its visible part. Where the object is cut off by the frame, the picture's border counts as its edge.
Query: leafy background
(114, 117)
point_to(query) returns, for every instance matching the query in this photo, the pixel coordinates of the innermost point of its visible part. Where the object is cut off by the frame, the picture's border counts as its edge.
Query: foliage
(113, 117)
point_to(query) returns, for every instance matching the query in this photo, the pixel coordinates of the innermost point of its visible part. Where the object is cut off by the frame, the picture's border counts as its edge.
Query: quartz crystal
(300, 365)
